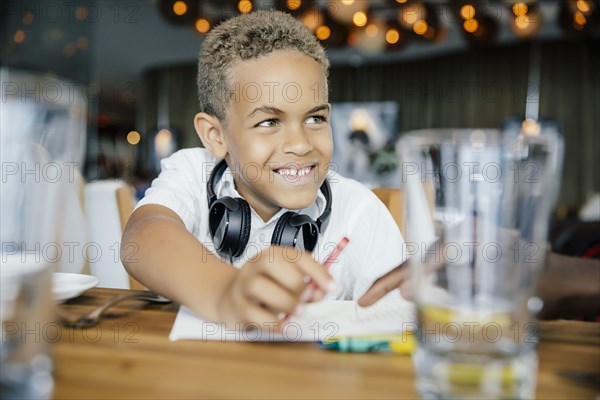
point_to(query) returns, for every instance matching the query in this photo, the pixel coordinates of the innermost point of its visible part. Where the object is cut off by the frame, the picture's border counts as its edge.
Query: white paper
(318, 321)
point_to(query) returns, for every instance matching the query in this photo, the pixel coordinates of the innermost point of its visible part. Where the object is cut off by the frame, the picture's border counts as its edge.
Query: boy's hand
(398, 278)
(272, 284)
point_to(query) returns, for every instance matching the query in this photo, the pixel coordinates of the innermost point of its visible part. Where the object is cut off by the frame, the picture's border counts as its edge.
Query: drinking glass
(40, 140)
(477, 204)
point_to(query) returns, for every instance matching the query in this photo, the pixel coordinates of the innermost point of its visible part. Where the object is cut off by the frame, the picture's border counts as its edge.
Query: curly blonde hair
(243, 38)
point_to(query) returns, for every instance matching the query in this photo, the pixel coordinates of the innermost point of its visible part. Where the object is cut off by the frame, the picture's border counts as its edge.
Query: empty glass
(41, 139)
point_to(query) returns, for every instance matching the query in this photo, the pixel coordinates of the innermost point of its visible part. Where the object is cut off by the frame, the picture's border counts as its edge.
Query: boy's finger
(383, 285)
(260, 317)
(406, 289)
(318, 273)
(284, 271)
(265, 291)
(316, 295)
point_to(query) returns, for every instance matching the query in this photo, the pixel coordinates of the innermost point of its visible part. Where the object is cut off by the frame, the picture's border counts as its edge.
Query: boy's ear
(211, 133)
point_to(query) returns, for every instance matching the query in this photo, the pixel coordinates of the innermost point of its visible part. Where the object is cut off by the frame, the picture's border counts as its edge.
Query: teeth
(294, 172)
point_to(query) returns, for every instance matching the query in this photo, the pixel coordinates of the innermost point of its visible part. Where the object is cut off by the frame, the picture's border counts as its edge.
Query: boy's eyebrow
(266, 110)
(277, 111)
(321, 107)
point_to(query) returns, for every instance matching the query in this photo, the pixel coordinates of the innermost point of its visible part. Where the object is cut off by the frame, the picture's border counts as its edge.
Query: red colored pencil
(332, 258)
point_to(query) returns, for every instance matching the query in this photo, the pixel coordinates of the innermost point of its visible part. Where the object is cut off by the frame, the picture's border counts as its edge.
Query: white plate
(67, 286)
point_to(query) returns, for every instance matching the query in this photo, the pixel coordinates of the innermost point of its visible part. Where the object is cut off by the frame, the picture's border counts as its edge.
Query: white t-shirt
(376, 245)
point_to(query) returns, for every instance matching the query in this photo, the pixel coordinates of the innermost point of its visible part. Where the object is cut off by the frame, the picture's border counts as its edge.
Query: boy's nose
(296, 141)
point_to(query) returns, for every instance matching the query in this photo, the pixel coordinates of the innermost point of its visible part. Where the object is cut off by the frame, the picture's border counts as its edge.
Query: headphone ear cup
(229, 225)
(282, 228)
(295, 229)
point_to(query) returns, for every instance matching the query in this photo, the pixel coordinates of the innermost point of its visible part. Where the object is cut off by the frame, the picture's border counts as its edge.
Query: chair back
(108, 207)
(394, 200)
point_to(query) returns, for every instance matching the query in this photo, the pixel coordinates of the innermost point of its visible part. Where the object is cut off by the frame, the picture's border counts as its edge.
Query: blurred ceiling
(106, 45)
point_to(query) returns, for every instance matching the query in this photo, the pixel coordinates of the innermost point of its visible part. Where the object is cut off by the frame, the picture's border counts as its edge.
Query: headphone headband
(215, 176)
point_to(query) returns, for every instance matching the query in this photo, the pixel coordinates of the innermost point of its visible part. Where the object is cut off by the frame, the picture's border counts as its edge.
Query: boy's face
(277, 133)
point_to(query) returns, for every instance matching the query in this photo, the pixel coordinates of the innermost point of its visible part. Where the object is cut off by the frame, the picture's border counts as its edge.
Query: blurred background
(125, 70)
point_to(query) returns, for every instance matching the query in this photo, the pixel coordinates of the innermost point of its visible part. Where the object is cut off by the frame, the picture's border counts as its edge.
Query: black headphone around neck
(229, 221)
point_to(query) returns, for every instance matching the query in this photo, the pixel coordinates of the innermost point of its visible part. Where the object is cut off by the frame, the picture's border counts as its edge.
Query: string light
(410, 18)
(344, 11)
(520, 9)
(371, 39)
(312, 19)
(471, 25)
(525, 25)
(583, 6)
(331, 32)
(579, 17)
(180, 8)
(522, 22)
(323, 32)
(202, 25)
(133, 138)
(579, 20)
(483, 30)
(371, 30)
(467, 12)
(411, 13)
(359, 19)
(420, 27)
(418, 16)
(19, 36)
(293, 5)
(245, 6)
(392, 36)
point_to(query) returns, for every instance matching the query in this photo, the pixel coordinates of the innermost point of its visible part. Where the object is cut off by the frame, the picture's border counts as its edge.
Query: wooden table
(129, 355)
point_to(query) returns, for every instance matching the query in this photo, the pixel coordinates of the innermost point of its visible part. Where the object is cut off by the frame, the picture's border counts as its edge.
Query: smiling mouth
(294, 171)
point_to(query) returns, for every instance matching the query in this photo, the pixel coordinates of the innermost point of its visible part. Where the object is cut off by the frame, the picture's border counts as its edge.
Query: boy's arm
(157, 250)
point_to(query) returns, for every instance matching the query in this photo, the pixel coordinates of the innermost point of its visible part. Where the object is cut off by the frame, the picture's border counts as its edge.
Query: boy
(208, 233)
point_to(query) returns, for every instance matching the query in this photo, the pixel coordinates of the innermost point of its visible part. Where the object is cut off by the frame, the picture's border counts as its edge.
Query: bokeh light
(202, 25)
(180, 8)
(323, 32)
(467, 11)
(133, 137)
(359, 19)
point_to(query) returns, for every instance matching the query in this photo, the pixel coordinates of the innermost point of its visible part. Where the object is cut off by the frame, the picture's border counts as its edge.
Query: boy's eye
(267, 123)
(316, 119)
